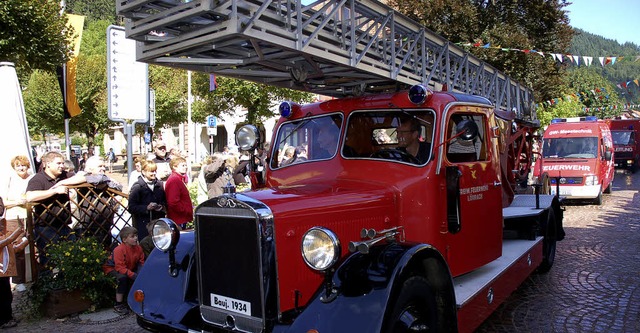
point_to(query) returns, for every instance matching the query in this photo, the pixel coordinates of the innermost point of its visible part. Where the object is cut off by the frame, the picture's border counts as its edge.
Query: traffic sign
(212, 121)
(127, 79)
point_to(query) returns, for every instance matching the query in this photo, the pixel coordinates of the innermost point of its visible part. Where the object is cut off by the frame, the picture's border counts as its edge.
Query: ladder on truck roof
(331, 47)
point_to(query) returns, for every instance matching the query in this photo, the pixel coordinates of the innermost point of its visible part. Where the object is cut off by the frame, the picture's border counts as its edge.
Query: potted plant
(74, 280)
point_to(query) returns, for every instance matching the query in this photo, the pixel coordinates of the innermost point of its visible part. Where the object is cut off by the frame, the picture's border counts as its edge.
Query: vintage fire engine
(350, 233)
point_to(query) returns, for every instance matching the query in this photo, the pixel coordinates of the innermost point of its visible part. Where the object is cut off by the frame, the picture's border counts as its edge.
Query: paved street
(594, 285)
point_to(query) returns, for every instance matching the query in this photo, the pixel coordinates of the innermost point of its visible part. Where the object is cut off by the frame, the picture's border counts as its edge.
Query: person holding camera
(147, 199)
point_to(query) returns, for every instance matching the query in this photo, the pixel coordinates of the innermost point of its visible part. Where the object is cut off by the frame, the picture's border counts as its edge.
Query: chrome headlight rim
(247, 138)
(165, 234)
(334, 249)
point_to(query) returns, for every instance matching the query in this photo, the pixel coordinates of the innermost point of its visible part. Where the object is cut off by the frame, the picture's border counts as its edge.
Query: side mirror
(467, 129)
(607, 155)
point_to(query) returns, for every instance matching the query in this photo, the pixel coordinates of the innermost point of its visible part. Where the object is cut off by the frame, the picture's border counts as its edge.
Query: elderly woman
(179, 206)
(13, 191)
(97, 207)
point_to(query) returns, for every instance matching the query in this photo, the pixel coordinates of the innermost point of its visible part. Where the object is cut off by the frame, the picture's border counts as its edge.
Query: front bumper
(578, 192)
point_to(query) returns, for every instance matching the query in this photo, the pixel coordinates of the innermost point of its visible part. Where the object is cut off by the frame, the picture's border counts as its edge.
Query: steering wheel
(395, 154)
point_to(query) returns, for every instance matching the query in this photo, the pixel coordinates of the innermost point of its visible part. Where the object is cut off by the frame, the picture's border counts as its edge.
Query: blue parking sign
(147, 138)
(211, 121)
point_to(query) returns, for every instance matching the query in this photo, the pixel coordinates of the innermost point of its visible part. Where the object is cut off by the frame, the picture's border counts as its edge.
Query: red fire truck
(397, 211)
(626, 142)
(577, 158)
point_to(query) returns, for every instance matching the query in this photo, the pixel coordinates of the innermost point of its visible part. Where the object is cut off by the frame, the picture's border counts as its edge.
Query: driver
(327, 139)
(409, 139)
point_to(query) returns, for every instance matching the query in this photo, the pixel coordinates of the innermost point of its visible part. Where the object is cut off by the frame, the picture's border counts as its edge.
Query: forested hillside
(624, 72)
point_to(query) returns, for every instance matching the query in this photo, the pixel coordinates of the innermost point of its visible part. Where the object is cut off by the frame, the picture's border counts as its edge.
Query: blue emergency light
(574, 119)
(286, 108)
(418, 94)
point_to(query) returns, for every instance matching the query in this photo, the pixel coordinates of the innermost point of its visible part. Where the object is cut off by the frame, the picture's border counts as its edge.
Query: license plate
(230, 304)
(562, 192)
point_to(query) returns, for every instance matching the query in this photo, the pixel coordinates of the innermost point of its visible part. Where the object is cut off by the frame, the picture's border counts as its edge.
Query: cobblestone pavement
(594, 285)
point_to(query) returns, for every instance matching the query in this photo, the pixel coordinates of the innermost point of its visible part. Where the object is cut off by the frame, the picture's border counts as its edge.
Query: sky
(613, 19)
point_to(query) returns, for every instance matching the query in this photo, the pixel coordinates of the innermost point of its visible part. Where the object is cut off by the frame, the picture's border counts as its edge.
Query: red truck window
(307, 139)
(463, 151)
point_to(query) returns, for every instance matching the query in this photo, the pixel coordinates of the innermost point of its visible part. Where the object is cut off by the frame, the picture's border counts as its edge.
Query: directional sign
(127, 79)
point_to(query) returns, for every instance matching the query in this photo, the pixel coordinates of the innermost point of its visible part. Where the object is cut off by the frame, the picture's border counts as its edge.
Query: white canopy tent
(14, 133)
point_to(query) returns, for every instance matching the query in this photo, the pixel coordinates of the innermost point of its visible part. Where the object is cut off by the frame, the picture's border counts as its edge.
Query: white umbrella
(14, 133)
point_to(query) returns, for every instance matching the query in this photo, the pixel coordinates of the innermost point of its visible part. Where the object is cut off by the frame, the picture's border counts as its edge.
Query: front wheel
(415, 308)
(598, 199)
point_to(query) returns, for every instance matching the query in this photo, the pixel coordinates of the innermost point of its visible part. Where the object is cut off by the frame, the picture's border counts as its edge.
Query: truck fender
(367, 286)
(167, 300)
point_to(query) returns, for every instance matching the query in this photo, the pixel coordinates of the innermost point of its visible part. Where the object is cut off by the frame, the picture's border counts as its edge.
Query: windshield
(622, 138)
(404, 136)
(307, 139)
(579, 147)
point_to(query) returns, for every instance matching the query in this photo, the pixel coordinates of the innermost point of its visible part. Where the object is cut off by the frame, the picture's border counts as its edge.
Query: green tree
(94, 10)
(43, 99)
(43, 103)
(33, 35)
(540, 25)
(170, 86)
(564, 108)
(594, 91)
(256, 98)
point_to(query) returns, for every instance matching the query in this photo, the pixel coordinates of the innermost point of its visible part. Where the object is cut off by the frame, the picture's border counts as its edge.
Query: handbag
(8, 262)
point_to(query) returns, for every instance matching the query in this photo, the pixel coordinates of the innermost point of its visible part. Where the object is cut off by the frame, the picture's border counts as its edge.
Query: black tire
(608, 189)
(415, 308)
(549, 243)
(598, 199)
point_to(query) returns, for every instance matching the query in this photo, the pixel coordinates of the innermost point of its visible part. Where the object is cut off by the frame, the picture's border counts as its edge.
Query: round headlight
(247, 137)
(165, 234)
(320, 248)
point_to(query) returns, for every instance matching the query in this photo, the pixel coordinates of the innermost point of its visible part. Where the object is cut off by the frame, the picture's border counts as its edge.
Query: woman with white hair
(97, 207)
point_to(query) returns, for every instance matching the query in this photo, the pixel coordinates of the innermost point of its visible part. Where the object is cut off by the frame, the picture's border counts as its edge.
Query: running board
(480, 292)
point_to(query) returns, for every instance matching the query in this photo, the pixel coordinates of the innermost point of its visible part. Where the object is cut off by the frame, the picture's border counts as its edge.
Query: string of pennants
(559, 57)
(597, 93)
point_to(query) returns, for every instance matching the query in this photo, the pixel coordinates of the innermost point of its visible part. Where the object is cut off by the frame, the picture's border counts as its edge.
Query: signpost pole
(128, 130)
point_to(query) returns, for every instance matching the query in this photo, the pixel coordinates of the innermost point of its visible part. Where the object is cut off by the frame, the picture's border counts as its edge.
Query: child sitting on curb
(125, 262)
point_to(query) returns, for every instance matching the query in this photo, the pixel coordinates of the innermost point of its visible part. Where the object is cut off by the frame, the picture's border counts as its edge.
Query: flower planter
(61, 303)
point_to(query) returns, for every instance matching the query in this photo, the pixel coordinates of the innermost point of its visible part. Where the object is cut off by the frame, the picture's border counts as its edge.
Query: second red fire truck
(626, 142)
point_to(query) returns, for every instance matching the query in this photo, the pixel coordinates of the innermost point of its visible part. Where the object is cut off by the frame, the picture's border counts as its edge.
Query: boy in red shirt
(126, 260)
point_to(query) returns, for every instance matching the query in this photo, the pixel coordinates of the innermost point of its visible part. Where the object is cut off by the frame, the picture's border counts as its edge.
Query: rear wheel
(549, 243)
(414, 309)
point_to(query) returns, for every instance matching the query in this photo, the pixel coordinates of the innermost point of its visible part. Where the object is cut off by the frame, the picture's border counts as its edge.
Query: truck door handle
(497, 183)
